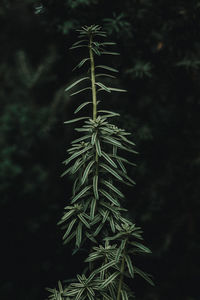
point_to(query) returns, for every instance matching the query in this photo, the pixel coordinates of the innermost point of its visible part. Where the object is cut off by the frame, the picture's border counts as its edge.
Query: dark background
(159, 42)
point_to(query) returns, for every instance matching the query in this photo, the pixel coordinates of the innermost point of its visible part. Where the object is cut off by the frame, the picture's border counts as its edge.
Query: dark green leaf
(104, 75)
(92, 257)
(78, 46)
(96, 51)
(83, 129)
(93, 139)
(124, 160)
(69, 293)
(75, 120)
(108, 111)
(81, 193)
(124, 295)
(109, 280)
(96, 219)
(107, 68)
(100, 34)
(144, 275)
(109, 197)
(92, 208)
(75, 186)
(95, 186)
(117, 90)
(112, 224)
(80, 91)
(112, 291)
(81, 138)
(110, 53)
(129, 150)
(90, 237)
(66, 172)
(107, 43)
(114, 150)
(60, 286)
(90, 297)
(118, 254)
(81, 106)
(75, 83)
(83, 220)
(87, 170)
(105, 214)
(98, 147)
(69, 228)
(112, 208)
(103, 87)
(105, 267)
(129, 265)
(121, 166)
(106, 296)
(108, 159)
(79, 42)
(79, 234)
(98, 229)
(141, 246)
(128, 178)
(111, 171)
(115, 237)
(112, 187)
(127, 141)
(68, 215)
(78, 296)
(112, 141)
(76, 154)
(81, 63)
(80, 162)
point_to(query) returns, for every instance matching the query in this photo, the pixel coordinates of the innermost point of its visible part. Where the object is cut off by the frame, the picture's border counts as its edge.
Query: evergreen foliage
(159, 43)
(95, 213)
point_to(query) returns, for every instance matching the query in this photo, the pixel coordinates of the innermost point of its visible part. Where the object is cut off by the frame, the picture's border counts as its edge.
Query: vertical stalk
(94, 96)
(121, 275)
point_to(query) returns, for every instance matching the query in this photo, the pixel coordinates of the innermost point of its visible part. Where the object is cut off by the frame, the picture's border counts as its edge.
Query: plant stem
(120, 280)
(121, 275)
(94, 96)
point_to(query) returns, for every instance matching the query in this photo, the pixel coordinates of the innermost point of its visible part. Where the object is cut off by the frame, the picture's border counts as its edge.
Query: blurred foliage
(21, 129)
(117, 25)
(140, 70)
(159, 44)
(75, 4)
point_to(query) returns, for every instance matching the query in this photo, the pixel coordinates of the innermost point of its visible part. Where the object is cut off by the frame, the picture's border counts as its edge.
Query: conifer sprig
(95, 160)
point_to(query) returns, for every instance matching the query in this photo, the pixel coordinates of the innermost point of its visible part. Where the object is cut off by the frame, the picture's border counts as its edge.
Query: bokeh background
(159, 65)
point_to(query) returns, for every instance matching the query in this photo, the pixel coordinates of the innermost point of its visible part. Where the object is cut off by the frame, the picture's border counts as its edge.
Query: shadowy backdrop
(159, 42)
